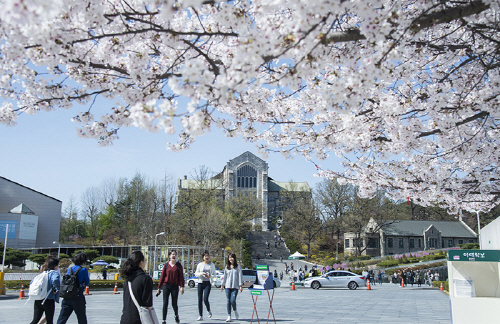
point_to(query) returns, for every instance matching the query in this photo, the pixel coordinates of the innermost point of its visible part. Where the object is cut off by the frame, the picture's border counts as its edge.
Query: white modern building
(33, 218)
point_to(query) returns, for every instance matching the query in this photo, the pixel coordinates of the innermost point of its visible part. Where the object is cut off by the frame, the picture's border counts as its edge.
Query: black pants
(48, 308)
(70, 305)
(204, 289)
(167, 290)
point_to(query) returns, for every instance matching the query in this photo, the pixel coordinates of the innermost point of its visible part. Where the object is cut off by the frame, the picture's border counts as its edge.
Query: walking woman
(142, 288)
(48, 305)
(172, 281)
(205, 271)
(232, 281)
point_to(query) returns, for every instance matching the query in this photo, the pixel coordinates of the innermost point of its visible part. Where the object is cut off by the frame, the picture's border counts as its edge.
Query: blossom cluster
(407, 92)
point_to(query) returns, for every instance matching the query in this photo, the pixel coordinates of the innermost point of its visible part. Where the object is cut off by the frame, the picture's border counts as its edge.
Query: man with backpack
(72, 288)
(45, 290)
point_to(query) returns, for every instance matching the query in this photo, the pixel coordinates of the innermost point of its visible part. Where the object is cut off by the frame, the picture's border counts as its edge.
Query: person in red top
(172, 281)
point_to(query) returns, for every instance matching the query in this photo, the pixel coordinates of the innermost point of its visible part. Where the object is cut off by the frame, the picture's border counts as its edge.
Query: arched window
(247, 177)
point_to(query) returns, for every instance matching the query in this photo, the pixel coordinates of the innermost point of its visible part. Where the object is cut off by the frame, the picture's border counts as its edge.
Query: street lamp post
(478, 230)
(76, 228)
(58, 249)
(154, 262)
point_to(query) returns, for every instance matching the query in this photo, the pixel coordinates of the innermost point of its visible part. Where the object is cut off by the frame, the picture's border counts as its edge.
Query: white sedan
(336, 279)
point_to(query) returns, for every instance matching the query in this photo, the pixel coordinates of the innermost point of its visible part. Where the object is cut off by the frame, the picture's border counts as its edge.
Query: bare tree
(92, 206)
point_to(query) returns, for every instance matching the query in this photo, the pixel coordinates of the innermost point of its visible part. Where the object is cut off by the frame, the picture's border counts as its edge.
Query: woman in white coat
(205, 271)
(232, 281)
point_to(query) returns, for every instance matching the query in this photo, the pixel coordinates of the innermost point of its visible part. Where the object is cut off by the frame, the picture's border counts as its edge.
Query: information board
(12, 229)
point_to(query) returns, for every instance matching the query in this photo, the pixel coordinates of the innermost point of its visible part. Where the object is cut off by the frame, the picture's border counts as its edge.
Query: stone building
(248, 174)
(33, 217)
(404, 236)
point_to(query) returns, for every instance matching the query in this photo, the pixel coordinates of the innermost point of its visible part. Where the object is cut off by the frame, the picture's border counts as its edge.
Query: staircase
(258, 240)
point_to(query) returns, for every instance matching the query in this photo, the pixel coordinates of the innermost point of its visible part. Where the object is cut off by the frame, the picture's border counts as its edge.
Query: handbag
(147, 314)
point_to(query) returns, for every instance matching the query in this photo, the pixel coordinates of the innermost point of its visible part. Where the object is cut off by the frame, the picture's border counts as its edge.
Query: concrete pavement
(387, 303)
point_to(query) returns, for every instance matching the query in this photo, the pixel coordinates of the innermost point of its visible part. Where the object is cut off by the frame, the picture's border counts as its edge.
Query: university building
(247, 174)
(406, 236)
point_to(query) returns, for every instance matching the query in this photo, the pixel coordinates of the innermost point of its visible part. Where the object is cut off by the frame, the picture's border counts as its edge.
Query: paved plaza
(387, 303)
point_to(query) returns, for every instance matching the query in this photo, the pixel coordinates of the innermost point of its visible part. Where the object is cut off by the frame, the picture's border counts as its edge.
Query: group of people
(172, 283)
(46, 307)
(370, 275)
(140, 285)
(411, 277)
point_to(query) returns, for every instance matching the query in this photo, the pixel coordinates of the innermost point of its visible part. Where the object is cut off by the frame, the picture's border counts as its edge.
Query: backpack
(70, 284)
(39, 285)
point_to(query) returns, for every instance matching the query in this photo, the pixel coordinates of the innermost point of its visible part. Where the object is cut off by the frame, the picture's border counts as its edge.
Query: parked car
(336, 279)
(191, 282)
(249, 277)
(218, 279)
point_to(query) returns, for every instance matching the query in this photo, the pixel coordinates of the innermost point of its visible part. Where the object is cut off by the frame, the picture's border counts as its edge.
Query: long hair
(45, 265)
(228, 263)
(132, 263)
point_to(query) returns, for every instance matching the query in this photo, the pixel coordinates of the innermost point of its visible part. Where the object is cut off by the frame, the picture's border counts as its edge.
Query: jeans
(167, 290)
(48, 307)
(231, 294)
(70, 305)
(204, 289)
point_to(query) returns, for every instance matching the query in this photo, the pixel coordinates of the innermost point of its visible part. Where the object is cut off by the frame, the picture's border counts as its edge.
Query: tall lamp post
(58, 249)
(76, 228)
(478, 230)
(154, 262)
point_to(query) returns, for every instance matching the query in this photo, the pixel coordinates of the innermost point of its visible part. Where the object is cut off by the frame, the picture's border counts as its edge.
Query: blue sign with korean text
(12, 229)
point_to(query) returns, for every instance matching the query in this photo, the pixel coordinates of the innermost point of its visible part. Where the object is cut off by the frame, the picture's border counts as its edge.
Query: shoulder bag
(147, 314)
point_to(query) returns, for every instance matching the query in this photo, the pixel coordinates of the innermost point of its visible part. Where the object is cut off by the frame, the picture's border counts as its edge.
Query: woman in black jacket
(142, 287)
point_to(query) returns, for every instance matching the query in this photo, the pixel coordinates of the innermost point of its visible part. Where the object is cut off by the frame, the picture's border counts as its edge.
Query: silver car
(336, 279)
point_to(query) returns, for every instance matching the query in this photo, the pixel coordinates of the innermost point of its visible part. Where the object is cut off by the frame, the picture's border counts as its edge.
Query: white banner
(28, 227)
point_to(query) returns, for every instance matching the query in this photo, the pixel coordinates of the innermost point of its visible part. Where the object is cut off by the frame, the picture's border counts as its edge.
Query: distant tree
(14, 257)
(333, 202)
(39, 259)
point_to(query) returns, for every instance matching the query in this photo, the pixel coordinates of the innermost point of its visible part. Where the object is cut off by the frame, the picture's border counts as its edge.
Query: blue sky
(43, 152)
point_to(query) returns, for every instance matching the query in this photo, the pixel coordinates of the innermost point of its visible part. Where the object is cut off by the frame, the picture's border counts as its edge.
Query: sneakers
(236, 314)
(228, 318)
(200, 318)
(177, 320)
(210, 314)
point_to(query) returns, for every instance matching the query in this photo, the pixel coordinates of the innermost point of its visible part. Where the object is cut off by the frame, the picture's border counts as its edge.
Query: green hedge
(388, 263)
(437, 284)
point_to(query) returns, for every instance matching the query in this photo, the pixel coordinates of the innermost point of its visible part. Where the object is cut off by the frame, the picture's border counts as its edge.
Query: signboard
(28, 227)
(12, 229)
(474, 255)
(256, 292)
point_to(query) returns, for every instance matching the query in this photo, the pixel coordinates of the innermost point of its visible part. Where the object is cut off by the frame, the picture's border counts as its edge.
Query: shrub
(437, 284)
(388, 263)
(469, 246)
